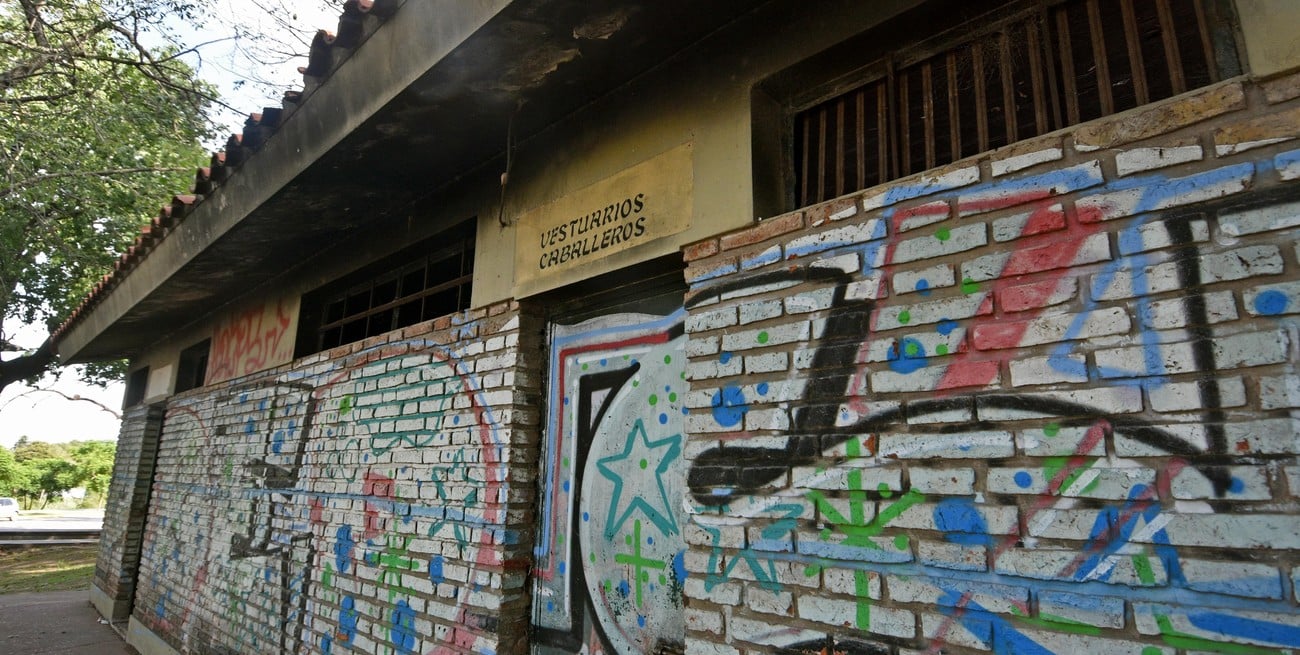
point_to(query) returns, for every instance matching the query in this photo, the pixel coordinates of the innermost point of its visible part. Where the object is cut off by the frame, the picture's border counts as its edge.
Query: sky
(250, 73)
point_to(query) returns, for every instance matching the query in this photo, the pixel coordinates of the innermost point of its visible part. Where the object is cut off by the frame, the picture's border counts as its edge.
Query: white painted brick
(754, 311)
(945, 241)
(1218, 267)
(1220, 306)
(1058, 182)
(1249, 483)
(925, 379)
(1099, 611)
(1155, 236)
(943, 481)
(1262, 437)
(1288, 165)
(1090, 482)
(697, 647)
(968, 632)
(767, 419)
(1279, 392)
(1061, 564)
(810, 301)
(947, 555)
(847, 581)
(1072, 524)
(925, 313)
(769, 255)
(1186, 396)
(767, 362)
(964, 414)
(1015, 163)
(865, 474)
(921, 215)
(726, 593)
(701, 620)
(1002, 599)
(839, 237)
(1140, 160)
(871, 287)
(1058, 441)
(847, 263)
(1273, 299)
(1144, 615)
(1095, 248)
(1053, 328)
(1012, 227)
(1261, 531)
(1048, 370)
(764, 601)
(1233, 578)
(1236, 351)
(934, 277)
(711, 320)
(701, 346)
(1257, 220)
(922, 185)
(771, 336)
(998, 519)
(1164, 194)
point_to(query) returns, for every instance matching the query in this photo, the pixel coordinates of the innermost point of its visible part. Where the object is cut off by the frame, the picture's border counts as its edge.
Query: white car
(8, 508)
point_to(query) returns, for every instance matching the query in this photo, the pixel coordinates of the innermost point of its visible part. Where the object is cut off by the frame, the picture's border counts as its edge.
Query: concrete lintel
(144, 640)
(407, 46)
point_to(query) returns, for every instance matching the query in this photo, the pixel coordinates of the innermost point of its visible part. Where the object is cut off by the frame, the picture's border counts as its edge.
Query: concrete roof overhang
(424, 100)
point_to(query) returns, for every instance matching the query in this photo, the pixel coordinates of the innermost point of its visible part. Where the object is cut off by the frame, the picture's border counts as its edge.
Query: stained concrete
(62, 622)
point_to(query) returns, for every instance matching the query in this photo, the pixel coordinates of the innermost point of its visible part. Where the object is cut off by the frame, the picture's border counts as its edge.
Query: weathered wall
(124, 516)
(372, 498)
(253, 339)
(1038, 402)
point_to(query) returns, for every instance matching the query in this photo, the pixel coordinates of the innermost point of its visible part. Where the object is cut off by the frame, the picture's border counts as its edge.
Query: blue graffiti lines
(639, 454)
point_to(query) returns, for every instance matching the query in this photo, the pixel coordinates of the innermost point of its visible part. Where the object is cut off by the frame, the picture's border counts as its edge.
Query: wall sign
(649, 201)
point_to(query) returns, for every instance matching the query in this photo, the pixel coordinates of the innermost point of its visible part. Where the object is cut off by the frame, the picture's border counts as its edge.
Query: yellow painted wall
(1271, 32)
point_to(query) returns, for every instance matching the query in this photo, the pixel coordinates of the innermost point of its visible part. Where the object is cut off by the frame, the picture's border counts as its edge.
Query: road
(75, 520)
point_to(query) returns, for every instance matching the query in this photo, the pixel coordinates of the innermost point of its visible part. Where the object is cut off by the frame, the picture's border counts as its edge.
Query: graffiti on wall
(610, 549)
(315, 491)
(253, 340)
(848, 487)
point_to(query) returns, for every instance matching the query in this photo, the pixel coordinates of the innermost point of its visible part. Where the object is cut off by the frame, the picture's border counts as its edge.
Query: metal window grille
(1045, 67)
(406, 289)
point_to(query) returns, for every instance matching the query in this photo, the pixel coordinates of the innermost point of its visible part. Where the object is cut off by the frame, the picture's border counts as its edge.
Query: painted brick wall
(1040, 401)
(373, 498)
(124, 515)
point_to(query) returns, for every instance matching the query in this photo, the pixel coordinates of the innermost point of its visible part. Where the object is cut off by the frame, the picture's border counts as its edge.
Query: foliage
(96, 130)
(39, 472)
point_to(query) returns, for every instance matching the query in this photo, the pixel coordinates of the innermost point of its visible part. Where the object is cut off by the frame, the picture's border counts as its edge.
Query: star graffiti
(640, 454)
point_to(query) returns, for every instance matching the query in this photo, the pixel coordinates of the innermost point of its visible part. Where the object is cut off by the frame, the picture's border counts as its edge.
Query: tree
(10, 473)
(96, 130)
(44, 479)
(94, 460)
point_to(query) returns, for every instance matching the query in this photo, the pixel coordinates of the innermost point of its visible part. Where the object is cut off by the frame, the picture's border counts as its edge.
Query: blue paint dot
(1237, 486)
(455, 420)
(725, 357)
(650, 540)
(435, 569)
(685, 411)
(550, 606)
(566, 400)
(667, 388)
(560, 567)
(1024, 479)
(566, 486)
(923, 287)
(946, 326)
(762, 389)
(663, 419)
(604, 362)
(729, 406)
(907, 357)
(679, 566)
(624, 588)
(1271, 303)
(640, 620)
(586, 516)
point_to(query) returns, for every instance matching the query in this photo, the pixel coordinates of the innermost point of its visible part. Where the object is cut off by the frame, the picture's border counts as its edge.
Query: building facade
(801, 327)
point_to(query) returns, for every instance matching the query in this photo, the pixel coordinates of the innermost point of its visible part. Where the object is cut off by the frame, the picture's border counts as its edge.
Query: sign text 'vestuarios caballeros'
(646, 202)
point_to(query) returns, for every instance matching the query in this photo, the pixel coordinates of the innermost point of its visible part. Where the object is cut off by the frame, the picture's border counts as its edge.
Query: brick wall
(372, 498)
(128, 500)
(1038, 401)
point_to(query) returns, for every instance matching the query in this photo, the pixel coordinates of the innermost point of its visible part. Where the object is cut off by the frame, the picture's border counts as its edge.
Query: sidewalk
(57, 622)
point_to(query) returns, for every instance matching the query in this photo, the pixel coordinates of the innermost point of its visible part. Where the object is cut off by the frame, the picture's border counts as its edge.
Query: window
(136, 383)
(1028, 70)
(193, 366)
(431, 279)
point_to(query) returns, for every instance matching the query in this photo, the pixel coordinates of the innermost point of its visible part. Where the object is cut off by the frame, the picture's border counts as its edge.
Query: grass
(47, 568)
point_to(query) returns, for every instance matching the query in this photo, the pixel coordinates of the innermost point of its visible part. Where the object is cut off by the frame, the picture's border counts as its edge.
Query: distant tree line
(38, 473)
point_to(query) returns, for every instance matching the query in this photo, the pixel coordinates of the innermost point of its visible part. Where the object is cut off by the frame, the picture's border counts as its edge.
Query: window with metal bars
(1037, 68)
(429, 280)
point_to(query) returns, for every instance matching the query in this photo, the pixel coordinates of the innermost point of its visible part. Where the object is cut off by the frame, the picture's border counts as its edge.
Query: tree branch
(75, 398)
(38, 179)
(27, 366)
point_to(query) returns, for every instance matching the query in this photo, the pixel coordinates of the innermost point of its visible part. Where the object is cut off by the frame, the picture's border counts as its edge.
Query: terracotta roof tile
(326, 52)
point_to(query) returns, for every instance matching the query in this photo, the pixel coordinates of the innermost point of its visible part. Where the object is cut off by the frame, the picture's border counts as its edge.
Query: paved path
(55, 623)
